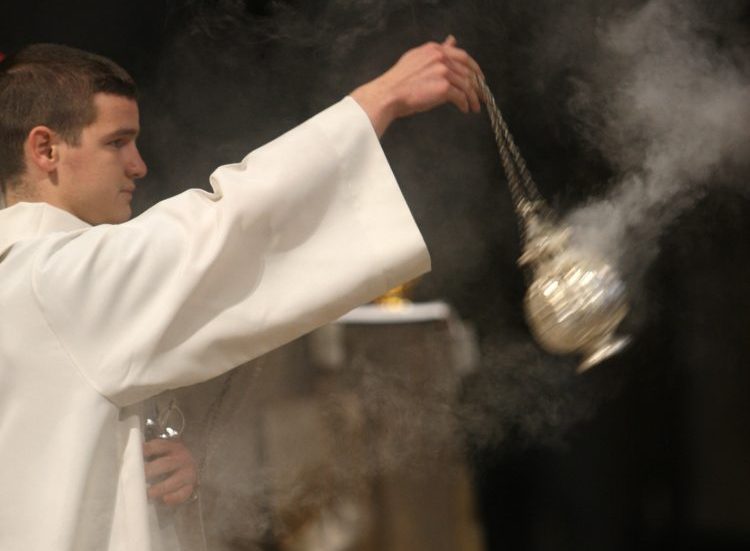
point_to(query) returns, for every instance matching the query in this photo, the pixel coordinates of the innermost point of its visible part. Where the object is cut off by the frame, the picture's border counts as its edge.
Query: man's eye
(118, 143)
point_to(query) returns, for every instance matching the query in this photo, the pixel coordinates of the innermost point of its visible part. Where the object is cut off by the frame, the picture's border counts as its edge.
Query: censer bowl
(575, 301)
(574, 305)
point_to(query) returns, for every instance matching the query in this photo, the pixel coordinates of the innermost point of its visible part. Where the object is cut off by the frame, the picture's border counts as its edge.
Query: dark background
(650, 450)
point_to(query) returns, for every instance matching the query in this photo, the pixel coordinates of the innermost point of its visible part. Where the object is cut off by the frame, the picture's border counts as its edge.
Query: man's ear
(41, 148)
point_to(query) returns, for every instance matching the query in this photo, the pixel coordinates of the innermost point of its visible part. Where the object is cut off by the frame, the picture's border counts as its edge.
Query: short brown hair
(54, 86)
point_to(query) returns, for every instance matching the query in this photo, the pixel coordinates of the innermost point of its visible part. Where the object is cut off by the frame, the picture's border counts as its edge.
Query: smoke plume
(667, 103)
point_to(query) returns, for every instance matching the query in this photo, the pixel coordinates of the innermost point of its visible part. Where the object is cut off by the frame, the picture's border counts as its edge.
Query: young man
(101, 313)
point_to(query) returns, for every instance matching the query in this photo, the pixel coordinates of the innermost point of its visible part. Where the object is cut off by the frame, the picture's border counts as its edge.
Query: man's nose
(136, 167)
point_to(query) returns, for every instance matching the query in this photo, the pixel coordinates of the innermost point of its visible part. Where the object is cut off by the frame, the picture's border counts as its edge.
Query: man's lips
(128, 191)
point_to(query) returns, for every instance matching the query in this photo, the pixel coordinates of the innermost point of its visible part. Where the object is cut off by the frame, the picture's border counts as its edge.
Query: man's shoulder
(24, 221)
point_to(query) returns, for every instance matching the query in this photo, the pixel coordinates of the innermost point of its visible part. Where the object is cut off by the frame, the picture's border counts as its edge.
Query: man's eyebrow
(122, 133)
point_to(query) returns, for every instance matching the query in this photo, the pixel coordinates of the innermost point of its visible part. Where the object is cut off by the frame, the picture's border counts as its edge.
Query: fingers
(457, 95)
(160, 446)
(172, 461)
(459, 79)
(464, 71)
(180, 496)
(161, 466)
(174, 484)
(463, 59)
(184, 476)
(461, 56)
(423, 78)
(171, 447)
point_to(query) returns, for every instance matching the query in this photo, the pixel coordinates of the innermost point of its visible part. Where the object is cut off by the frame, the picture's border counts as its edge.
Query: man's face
(96, 178)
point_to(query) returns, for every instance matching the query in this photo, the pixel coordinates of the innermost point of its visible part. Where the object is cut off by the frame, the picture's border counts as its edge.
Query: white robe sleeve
(304, 229)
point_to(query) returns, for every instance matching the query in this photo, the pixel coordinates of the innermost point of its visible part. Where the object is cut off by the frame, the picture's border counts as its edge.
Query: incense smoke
(673, 117)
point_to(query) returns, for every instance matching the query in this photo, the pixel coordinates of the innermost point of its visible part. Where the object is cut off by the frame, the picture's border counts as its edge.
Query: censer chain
(527, 200)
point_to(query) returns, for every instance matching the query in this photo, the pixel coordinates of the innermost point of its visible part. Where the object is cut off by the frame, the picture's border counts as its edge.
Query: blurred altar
(343, 440)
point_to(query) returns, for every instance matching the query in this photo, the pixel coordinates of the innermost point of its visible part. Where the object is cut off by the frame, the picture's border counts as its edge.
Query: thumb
(450, 40)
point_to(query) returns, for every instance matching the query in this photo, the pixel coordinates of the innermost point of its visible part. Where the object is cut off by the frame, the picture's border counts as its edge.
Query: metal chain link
(527, 200)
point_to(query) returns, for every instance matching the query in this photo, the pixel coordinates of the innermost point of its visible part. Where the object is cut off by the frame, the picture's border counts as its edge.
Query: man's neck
(23, 192)
(10, 199)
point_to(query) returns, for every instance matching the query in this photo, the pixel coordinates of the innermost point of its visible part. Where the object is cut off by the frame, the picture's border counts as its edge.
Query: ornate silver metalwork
(575, 301)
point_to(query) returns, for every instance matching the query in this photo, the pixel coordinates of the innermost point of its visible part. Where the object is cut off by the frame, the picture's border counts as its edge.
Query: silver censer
(575, 300)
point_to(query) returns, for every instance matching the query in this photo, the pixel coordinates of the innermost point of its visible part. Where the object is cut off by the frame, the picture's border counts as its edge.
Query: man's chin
(117, 217)
(124, 216)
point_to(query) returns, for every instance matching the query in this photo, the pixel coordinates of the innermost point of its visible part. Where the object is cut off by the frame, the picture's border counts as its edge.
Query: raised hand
(423, 78)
